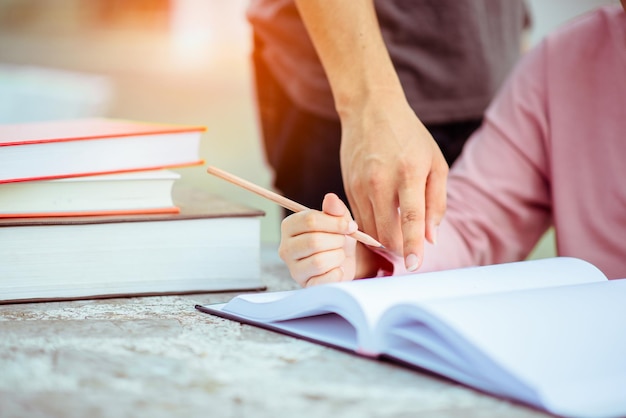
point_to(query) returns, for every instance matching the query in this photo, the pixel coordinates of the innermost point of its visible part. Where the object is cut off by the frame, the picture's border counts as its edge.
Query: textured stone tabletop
(159, 357)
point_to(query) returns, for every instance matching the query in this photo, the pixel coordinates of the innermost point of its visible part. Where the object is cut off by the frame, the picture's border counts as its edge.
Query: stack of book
(88, 208)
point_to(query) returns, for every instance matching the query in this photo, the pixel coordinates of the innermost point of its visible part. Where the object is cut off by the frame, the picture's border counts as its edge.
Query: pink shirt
(552, 150)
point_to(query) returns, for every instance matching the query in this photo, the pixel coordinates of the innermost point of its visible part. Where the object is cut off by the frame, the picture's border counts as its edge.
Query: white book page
(362, 302)
(565, 343)
(326, 328)
(375, 296)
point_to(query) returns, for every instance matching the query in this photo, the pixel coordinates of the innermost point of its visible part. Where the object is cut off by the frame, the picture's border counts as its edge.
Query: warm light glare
(192, 38)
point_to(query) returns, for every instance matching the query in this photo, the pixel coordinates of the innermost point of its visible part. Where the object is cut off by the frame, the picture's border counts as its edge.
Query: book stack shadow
(90, 208)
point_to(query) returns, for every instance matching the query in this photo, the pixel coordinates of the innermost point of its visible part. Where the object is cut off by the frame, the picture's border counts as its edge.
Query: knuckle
(283, 226)
(332, 276)
(445, 169)
(310, 221)
(406, 170)
(377, 182)
(310, 282)
(344, 224)
(411, 216)
(283, 253)
(302, 281)
(441, 168)
(336, 274)
(319, 264)
(355, 183)
(301, 276)
(314, 242)
(297, 275)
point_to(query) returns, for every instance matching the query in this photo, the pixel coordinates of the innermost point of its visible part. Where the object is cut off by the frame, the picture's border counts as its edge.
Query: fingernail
(411, 262)
(352, 227)
(435, 230)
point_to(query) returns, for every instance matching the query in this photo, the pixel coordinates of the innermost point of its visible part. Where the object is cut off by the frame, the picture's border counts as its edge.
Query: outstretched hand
(395, 177)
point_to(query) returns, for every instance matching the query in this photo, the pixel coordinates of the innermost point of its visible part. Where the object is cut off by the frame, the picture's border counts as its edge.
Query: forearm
(349, 43)
(393, 171)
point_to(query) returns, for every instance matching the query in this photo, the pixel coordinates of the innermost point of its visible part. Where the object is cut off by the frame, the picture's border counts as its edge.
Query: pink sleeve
(499, 189)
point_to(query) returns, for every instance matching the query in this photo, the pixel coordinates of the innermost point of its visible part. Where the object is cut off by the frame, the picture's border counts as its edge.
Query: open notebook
(550, 333)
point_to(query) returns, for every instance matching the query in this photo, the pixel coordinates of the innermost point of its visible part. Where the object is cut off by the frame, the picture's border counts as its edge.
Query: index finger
(312, 220)
(412, 222)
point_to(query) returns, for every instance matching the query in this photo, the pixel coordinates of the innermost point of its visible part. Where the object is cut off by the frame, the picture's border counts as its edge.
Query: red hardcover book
(82, 147)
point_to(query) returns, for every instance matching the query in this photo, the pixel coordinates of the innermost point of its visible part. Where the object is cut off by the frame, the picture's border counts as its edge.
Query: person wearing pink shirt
(551, 151)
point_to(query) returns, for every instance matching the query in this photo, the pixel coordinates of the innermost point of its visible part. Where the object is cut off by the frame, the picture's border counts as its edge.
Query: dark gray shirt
(451, 55)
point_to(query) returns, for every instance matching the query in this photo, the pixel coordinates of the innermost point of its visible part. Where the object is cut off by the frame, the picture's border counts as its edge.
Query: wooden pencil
(281, 200)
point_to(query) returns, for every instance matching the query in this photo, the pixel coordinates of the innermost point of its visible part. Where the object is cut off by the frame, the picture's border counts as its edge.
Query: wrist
(370, 263)
(363, 96)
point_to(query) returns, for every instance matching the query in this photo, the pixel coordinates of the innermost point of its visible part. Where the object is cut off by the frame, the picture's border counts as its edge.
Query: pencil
(281, 200)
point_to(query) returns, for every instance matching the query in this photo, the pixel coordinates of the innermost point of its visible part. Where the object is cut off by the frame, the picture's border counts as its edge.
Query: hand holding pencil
(281, 200)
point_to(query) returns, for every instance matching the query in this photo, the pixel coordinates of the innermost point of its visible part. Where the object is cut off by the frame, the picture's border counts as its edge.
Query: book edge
(125, 295)
(194, 163)
(79, 213)
(190, 208)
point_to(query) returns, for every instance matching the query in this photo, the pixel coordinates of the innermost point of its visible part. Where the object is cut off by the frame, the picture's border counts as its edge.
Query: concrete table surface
(159, 357)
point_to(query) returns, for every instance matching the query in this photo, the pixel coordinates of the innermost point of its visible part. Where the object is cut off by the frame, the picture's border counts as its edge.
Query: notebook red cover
(121, 212)
(82, 147)
(83, 129)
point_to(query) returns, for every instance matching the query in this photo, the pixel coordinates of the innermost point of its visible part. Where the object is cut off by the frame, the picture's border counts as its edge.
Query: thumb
(332, 205)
